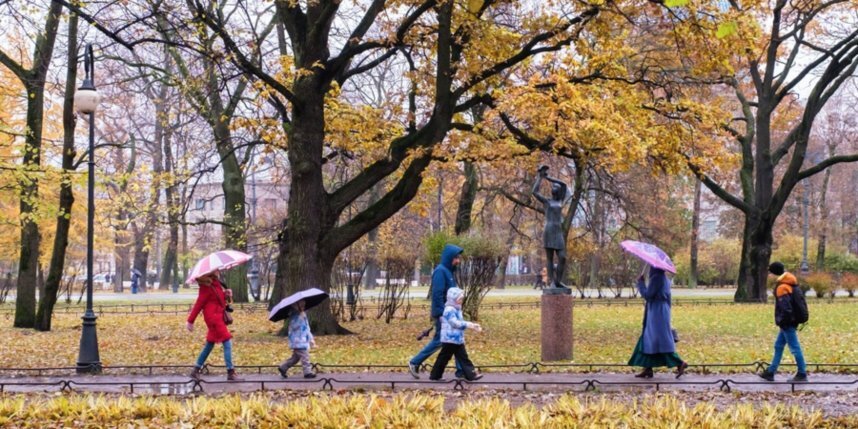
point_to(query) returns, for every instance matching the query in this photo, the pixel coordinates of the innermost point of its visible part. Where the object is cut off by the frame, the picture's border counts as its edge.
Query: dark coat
(657, 336)
(784, 317)
(212, 302)
(442, 279)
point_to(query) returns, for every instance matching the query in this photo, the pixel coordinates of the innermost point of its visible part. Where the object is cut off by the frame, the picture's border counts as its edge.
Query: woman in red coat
(211, 300)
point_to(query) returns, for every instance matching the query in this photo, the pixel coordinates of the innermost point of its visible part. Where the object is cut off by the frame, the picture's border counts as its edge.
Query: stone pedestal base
(556, 325)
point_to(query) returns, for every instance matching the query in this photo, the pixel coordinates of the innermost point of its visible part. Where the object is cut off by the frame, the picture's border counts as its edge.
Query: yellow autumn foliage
(404, 410)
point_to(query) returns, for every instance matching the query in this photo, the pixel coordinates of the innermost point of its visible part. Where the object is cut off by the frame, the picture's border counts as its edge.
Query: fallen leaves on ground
(710, 333)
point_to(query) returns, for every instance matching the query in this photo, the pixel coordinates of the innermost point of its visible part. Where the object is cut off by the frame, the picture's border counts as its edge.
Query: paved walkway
(216, 383)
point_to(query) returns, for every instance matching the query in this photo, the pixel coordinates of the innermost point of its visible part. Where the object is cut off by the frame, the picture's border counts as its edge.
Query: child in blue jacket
(300, 341)
(453, 327)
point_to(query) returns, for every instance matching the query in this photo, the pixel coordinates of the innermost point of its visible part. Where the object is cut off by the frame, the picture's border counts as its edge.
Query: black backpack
(800, 313)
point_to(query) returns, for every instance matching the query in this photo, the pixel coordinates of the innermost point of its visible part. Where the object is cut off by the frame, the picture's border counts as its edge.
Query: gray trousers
(303, 356)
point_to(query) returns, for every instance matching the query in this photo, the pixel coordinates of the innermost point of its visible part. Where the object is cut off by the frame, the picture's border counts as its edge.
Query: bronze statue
(552, 236)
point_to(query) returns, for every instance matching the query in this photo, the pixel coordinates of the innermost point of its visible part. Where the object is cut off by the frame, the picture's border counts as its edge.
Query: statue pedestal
(556, 324)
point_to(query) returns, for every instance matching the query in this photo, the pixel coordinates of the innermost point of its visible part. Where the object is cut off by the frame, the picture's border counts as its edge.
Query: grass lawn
(710, 334)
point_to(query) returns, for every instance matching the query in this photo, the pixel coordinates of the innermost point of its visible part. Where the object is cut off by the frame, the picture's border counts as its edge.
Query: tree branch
(825, 164)
(239, 58)
(718, 190)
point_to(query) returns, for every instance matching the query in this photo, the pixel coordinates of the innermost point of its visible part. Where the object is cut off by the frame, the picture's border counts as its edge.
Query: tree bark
(170, 270)
(466, 199)
(695, 236)
(823, 216)
(745, 282)
(234, 210)
(34, 83)
(61, 238)
(596, 222)
(122, 238)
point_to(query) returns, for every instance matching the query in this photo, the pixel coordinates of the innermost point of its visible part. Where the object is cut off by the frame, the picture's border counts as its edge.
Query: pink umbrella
(217, 261)
(650, 254)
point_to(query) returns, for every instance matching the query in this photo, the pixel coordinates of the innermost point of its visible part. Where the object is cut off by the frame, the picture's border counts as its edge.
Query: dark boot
(767, 375)
(232, 376)
(195, 373)
(680, 370)
(646, 373)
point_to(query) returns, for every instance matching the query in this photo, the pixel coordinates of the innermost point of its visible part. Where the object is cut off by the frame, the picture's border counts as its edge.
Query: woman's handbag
(227, 317)
(675, 335)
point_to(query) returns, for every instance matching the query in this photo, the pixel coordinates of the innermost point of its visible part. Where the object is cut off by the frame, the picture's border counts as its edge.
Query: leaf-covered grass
(709, 333)
(400, 410)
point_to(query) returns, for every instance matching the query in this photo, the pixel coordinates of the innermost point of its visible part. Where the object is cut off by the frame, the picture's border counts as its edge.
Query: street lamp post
(86, 101)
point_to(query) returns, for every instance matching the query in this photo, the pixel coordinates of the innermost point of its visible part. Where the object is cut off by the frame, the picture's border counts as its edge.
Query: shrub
(717, 262)
(849, 283)
(476, 274)
(841, 262)
(820, 282)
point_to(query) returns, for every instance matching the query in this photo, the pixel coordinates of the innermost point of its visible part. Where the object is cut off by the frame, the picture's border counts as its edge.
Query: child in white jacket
(453, 328)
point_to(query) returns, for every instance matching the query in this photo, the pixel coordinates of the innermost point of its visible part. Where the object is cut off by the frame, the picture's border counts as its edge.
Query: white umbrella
(312, 297)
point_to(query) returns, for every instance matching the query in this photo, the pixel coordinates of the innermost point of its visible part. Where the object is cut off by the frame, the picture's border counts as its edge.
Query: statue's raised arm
(540, 174)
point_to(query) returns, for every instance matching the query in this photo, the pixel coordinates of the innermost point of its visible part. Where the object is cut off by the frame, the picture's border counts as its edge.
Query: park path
(367, 381)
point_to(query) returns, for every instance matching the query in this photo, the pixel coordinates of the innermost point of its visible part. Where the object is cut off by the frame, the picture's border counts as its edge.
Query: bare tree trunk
(61, 239)
(466, 199)
(695, 236)
(823, 215)
(170, 270)
(596, 257)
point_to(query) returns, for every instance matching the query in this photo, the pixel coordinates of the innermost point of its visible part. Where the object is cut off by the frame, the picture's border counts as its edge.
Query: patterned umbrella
(650, 254)
(217, 261)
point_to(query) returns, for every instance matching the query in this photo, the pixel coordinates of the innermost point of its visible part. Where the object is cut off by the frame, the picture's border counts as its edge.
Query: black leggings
(449, 350)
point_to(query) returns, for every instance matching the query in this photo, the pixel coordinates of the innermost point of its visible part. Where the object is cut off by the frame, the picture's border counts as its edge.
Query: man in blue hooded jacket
(442, 281)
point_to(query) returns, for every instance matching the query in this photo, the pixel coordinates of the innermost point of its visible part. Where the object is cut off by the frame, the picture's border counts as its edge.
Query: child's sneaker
(310, 375)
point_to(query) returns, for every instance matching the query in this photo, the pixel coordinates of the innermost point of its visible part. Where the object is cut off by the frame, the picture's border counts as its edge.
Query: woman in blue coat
(656, 346)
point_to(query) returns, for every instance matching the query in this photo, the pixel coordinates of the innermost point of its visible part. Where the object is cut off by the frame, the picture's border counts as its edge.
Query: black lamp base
(88, 361)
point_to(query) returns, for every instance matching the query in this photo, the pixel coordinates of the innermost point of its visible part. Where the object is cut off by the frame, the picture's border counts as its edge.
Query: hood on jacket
(787, 278)
(448, 254)
(655, 272)
(453, 295)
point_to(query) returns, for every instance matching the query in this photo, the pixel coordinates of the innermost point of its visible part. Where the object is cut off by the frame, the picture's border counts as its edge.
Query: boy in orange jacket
(785, 319)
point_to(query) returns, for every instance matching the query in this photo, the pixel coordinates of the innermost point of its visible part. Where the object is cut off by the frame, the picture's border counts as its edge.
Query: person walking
(442, 281)
(656, 346)
(300, 341)
(541, 279)
(787, 319)
(212, 302)
(453, 327)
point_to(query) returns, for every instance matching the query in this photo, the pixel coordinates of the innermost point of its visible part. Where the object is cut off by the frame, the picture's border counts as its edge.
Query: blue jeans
(788, 336)
(432, 347)
(207, 349)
